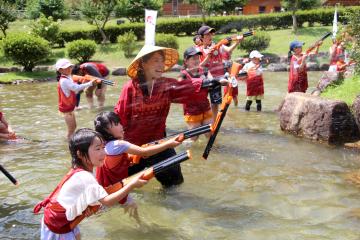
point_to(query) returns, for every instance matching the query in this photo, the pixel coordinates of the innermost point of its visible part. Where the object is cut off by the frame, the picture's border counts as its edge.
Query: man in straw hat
(144, 104)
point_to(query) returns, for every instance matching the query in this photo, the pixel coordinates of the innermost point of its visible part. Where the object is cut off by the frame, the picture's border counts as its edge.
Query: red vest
(297, 78)
(54, 213)
(215, 63)
(200, 103)
(254, 84)
(114, 170)
(66, 104)
(336, 52)
(103, 70)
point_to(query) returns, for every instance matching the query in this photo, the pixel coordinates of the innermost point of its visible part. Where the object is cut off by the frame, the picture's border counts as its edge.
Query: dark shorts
(168, 178)
(215, 95)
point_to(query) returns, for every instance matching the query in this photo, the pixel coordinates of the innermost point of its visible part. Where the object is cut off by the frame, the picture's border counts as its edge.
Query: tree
(207, 6)
(98, 13)
(134, 10)
(53, 8)
(229, 5)
(7, 15)
(294, 5)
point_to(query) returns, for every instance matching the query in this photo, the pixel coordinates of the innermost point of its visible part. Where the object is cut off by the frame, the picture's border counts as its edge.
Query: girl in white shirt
(79, 194)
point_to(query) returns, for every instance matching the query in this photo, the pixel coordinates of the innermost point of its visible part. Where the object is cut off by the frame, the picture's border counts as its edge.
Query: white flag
(335, 27)
(150, 24)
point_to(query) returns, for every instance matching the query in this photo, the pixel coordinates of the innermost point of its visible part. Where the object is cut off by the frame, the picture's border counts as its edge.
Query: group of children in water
(139, 117)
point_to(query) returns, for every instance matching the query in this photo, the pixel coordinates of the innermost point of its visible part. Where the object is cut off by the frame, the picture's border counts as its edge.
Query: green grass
(346, 92)
(11, 76)
(112, 56)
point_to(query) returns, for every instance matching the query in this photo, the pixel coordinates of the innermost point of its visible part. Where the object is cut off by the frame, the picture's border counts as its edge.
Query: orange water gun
(135, 159)
(232, 38)
(147, 174)
(318, 42)
(88, 78)
(235, 68)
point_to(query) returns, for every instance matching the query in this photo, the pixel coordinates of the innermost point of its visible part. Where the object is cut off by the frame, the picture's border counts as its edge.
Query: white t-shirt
(248, 66)
(67, 85)
(78, 192)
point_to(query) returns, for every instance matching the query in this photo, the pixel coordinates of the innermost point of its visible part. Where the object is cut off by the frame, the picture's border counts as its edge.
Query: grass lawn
(347, 91)
(112, 56)
(11, 76)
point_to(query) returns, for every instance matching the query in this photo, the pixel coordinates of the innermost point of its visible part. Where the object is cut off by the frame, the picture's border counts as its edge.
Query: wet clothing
(200, 103)
(298, 81)
(96, 70)
(254, 80)
(77, 191)
(143, 118)
(116, 164)
(216, 67)
(67, 90)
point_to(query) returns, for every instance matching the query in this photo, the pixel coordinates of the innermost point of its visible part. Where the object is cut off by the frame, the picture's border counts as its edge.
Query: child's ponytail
(102, 123)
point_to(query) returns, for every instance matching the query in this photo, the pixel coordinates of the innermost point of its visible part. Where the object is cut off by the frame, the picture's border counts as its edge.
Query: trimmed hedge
(81, 50)
(225, 24)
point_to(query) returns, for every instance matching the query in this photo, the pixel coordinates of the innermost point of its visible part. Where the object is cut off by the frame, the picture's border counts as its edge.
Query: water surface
(258, 182)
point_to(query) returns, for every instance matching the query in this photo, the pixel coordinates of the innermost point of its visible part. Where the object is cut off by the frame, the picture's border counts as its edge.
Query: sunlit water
(258, 182)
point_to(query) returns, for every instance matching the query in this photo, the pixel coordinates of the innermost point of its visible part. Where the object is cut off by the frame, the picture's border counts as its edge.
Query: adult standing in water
(97, 70)
(144, 104)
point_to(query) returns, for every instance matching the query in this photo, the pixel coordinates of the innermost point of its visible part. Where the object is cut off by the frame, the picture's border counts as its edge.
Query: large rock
(318, 119)
(119, 71)
(356, 110)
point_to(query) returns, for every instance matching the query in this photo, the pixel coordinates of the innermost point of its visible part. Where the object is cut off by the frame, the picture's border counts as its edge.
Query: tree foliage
(7, 15)
(53, 8)
(134, 10)
(98, 13)
(353, 17)
(46, 28)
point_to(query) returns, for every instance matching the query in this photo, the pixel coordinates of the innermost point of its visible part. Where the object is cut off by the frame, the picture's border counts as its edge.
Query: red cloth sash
(114, 170)
(254, 84)
(54, 213)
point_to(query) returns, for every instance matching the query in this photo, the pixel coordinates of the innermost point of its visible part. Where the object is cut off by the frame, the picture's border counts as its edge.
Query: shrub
(25, 50)
(54, 8)
(46, 28)
(81, 50)
(353, 18)
(127, 43)
(260, 41)
(166, 40)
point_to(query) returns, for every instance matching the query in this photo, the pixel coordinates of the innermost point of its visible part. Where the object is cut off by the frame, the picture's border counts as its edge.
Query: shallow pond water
(258, 183)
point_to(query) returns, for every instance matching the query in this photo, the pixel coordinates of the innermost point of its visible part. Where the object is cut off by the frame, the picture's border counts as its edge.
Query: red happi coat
(254, 84)
(215, 62)
(144, 117)
(54, 213)
(298, 81)
(66, 104)
(199, 102)
(114, 170)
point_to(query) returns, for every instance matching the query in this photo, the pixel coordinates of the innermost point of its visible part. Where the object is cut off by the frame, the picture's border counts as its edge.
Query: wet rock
(318, 119)
(324, 67)
(120, 71)
(312, 66)
(277, 67)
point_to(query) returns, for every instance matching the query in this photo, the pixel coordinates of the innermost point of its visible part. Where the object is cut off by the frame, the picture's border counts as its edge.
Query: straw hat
(171, 58)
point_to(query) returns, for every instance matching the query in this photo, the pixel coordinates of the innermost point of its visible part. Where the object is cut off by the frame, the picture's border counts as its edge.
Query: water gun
(8, 175)
(232, 38)
(318, 42)
(88, 78)
(147, 174)
(135, 159)
(235, 68)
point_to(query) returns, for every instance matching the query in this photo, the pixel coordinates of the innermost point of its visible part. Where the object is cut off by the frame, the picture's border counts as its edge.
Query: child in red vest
(79, 189)
(6, 132)
(117, 160)
(254, 81)
(67, 90)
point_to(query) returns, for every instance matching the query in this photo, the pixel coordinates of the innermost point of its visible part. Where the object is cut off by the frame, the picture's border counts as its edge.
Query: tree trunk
(294, 28)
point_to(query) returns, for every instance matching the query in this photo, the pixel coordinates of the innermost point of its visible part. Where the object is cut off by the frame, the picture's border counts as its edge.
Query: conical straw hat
(171, 58)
